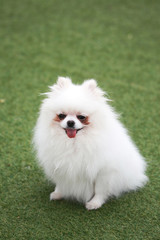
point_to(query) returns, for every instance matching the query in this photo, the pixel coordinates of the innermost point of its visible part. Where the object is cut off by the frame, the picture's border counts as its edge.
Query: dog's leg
(95, 202)
(56, 195)
(101, 191)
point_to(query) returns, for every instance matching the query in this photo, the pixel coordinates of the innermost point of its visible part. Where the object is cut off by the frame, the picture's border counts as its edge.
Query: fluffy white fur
(100, 161)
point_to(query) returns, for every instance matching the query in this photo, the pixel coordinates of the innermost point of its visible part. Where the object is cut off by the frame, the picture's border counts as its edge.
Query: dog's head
(73, 108)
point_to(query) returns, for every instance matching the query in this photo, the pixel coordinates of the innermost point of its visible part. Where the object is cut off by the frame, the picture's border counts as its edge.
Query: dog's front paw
(93, 205)
(55, 196)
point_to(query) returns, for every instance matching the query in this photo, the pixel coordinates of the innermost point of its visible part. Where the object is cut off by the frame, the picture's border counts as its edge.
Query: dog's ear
(63, 82)
(91, 85)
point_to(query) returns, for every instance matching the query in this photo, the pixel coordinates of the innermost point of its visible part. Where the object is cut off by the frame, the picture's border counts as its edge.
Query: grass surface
(115, 42)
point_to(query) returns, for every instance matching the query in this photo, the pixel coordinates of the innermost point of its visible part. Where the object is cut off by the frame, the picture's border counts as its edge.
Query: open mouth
(71, 132)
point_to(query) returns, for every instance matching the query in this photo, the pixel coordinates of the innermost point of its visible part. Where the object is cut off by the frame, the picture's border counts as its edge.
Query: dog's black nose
(70, 123)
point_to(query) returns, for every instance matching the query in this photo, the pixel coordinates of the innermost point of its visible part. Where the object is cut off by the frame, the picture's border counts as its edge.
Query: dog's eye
(81, 117)
(61, 116)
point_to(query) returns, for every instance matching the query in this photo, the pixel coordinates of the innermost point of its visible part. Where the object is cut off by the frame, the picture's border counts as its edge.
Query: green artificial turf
(117, 43)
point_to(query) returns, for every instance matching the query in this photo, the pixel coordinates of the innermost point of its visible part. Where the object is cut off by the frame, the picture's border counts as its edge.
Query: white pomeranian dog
(83, 147)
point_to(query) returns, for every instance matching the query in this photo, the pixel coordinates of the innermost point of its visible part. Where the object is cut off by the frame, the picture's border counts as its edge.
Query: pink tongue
(71, 132)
